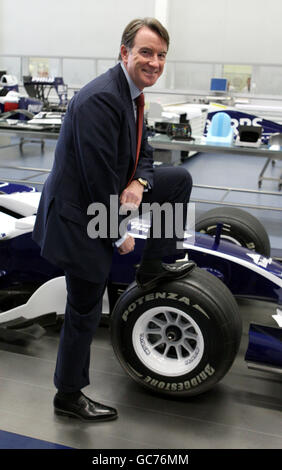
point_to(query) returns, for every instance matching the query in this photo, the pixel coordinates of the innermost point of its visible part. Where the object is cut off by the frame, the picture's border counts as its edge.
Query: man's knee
(185, 177)
(183, 181)
(181, 176)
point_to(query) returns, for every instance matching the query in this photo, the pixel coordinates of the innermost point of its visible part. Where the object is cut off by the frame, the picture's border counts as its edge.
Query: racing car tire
(180, 338)
(239, 227)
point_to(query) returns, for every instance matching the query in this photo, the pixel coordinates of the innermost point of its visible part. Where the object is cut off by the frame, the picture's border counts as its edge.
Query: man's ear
(124, 53)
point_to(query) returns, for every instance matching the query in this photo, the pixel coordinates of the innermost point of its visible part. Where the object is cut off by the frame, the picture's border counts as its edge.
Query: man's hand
(131, 196)
(127, 246)
(130, 199)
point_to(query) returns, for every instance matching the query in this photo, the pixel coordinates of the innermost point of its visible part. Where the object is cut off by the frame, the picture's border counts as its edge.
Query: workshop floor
(243, 411)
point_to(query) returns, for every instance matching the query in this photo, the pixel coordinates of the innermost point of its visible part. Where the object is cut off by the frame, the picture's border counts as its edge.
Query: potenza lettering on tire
(158, 295)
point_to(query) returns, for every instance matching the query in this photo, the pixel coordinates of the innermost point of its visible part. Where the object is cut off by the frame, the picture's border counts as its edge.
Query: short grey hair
(133, 27)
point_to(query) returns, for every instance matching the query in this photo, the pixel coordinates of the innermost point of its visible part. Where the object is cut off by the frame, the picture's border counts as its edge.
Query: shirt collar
(134, 90)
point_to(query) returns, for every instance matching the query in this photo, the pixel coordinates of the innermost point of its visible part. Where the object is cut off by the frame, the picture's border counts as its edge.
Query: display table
(28, 132)
(163, 142)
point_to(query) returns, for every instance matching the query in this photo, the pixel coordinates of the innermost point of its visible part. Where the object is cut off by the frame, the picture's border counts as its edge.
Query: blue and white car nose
(23, 204)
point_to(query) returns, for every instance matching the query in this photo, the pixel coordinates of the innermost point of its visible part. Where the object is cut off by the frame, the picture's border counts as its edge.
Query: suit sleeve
(96, 127)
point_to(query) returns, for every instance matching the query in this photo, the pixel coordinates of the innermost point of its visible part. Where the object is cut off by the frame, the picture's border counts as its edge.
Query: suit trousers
(84, 298)
(82, 316)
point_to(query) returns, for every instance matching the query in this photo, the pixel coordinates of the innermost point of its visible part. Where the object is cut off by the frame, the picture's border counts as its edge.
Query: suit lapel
(126, 97)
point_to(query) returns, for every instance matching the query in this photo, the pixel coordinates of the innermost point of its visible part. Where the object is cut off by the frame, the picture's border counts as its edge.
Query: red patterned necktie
(140, 103)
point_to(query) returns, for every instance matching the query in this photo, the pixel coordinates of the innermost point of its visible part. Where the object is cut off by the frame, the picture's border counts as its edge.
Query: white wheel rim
(230, 239)
(168, 341)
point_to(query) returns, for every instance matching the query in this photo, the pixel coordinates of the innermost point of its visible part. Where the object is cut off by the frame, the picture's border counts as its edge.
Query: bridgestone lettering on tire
(179, 339)
(238, 227)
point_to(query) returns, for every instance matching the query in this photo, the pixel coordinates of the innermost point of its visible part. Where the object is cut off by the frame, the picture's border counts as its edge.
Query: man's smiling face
(145, 61)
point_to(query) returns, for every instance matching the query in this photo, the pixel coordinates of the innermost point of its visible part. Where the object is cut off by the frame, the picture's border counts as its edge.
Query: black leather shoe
(167, 272)
(83, 408)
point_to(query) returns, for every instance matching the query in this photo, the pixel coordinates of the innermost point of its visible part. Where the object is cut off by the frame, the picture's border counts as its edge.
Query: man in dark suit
(95, 159)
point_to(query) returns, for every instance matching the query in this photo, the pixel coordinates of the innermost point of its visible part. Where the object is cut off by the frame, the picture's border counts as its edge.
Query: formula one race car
(179, 338)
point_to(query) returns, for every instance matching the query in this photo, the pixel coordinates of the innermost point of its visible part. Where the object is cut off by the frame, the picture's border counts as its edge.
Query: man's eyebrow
(151, 49)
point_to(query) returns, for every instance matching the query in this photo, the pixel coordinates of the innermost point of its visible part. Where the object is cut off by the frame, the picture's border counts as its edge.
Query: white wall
(217, 30)
(1, 20)
(223, 31)
(238, 31)
(67, 27)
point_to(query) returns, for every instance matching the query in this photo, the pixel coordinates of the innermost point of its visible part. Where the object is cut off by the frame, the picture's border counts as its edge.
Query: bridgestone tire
(239, 227)
(180, 338)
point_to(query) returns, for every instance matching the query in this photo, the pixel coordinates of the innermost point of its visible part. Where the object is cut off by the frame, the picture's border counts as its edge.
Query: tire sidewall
(233, 231)
(202, 309)
(241, 227)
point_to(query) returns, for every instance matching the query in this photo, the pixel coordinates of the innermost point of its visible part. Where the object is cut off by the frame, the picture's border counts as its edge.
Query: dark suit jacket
(94, 159)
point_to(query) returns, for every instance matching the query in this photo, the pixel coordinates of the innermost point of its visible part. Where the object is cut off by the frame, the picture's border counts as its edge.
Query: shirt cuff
(121, 240)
